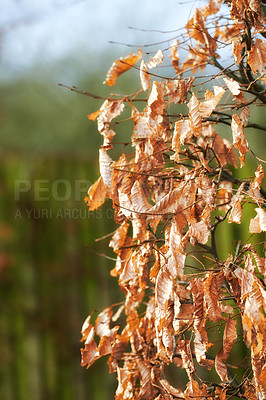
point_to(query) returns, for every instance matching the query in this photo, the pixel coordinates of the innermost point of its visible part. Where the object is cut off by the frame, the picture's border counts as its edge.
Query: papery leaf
(239, 139)
(163, 289)
(108, 111)
(257, 56)
(145, 77)
(147, 390)
(244, 115)
(199, 232)
(184, 349)
(155, 60)
(89, 354)
(258, 224)
(233, 86)
(254, 187)
(156, 98)
(212, 7)
(87, 328)
(229, 338)
(219, 149)
(207, 106)
(120, 66)
(182, 132)
(118, 239)
(138, 199)
(197, 290)
(195, 115)
(212, 288)
(105, 162)
(236, 212)
(102, 323)
(201, 346)
(237, 46)
(225, 194)
(125, 379)
(170, 389)
(231, 157)
(177, 89)
(142, 128)
(117, 352)
(168, 203)
(174, 54)
(96, 195)
(93, 116)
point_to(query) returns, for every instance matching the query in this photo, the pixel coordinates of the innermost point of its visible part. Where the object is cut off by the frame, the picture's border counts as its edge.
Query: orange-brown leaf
(195, 115)
(207, 106)
(163, 289)
(229, 338)
(96, 195)
(120, 66)
(174, 54)
(236, 212)
(239, 139)
(257, 56)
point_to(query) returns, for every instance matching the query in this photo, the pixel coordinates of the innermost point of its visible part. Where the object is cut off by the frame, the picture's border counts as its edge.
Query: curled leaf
(120, 66)
(96, 195)
(145, 77)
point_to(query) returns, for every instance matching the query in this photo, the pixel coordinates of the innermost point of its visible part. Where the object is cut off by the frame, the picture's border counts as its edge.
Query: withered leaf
(229, 338)
(120, 66)
(156, 59)
(96, 195)
(258, 224)
(239, 139)
(145, 77)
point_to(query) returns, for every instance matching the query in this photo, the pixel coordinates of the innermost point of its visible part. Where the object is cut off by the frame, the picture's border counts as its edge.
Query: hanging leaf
(163, 289)
(120, 66)
(258, 224)
(207, 106)
(233, 86)
(239, 139)
(156, 60)
(145, 77)
(174, 54)
(229, 338)
(96, 195)
(108, 111)
(257, 56)
(105, 162)
(195, 115)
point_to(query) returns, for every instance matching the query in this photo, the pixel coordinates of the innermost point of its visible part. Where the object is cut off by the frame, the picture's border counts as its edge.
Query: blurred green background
(50, 280)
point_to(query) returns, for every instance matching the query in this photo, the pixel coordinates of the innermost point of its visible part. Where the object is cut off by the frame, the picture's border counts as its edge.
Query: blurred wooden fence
(50, 280)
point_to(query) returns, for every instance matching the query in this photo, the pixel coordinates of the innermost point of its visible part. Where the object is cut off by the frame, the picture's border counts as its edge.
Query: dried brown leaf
(239, 139)
(195, 115)
(96, 195)
(229, 338)
(120, 66)
(257, 56)
(207, 106)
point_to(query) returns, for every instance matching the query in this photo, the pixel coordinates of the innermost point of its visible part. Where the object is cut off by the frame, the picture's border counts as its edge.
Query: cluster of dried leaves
(169, 196)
